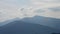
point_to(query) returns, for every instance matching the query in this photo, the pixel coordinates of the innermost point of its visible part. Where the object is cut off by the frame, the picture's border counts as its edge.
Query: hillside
(19, 27)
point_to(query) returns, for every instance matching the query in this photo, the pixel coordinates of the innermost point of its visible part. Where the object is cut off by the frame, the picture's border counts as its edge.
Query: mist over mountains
(31, 25)
(20, 27)
(28, 22)
(8, 21)
(46, 21)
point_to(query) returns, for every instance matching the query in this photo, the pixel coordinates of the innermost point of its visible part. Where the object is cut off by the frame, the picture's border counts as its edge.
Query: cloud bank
(10, 9)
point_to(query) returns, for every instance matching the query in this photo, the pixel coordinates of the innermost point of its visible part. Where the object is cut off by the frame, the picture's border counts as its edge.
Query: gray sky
(10, 9)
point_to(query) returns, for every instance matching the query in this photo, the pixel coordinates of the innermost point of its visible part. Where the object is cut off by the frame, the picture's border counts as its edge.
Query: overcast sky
(27, 8)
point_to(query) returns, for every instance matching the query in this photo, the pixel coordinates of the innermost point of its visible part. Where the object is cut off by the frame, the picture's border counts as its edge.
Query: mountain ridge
(20, 27)
(46, 21)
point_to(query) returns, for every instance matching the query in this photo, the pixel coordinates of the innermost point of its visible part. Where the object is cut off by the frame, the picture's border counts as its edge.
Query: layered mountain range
(31, 25)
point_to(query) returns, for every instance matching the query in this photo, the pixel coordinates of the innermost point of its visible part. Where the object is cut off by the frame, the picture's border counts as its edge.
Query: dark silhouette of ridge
(47, 21)
(20, 27)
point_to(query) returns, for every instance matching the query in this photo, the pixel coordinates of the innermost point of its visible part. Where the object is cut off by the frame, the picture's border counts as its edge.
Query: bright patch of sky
(10, 9)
